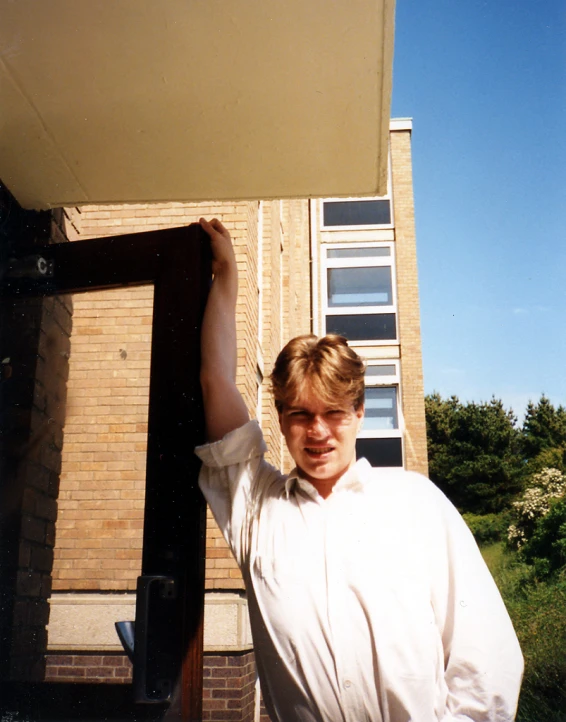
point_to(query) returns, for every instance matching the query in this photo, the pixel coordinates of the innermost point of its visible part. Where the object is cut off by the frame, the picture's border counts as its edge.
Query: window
(381, 409)
(381, 452)
(359, 292)
(374, 212)
(380, 439)
(369, 286)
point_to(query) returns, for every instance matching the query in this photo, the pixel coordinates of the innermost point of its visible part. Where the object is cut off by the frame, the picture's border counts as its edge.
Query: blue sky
(485, 84)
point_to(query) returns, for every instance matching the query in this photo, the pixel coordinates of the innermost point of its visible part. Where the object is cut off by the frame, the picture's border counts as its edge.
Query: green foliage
(531, 509)
(537, 611)
(473, 452)
(496, 474)
(540, 623)
(488, 528)
(546, 549)
(550, 458)
(543, 435)
(512, 575)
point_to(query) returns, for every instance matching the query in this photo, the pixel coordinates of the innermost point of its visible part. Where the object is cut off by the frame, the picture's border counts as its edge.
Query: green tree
(543, 435)
(473, 452)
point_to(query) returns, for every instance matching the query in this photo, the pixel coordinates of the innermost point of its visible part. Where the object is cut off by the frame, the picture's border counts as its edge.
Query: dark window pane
(381, 409)
(357, 213)
(360, 286)
(359, 252)
(363, 327)
(381, 452)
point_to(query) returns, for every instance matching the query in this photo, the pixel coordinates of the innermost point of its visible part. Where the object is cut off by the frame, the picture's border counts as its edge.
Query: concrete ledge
(401, 124)
(85, 622)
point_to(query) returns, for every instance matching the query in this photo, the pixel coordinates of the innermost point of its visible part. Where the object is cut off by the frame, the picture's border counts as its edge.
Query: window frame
(359, 226)
(360, 262)
(388, 196)
(385, 381)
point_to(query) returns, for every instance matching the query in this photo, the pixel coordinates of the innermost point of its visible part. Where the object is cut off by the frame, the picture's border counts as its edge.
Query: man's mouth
(318, 450)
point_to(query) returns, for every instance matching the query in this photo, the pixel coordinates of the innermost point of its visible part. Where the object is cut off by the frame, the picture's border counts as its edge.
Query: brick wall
(244, 230)
(101, 502)
(229, 687)
(272, 332)
(286, 300)
(101, 517)
(34, 344)
(229, 684)
(412, 384)
(88, 668)
(296, 280)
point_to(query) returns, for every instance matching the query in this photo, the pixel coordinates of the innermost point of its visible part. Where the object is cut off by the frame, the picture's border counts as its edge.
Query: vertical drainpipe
(314, 266)
(260, 274)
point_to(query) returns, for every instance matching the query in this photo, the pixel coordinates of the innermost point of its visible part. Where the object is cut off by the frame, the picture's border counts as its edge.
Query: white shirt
(373, 604)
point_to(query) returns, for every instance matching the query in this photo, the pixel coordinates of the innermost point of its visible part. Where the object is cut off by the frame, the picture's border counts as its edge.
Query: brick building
(318, 265)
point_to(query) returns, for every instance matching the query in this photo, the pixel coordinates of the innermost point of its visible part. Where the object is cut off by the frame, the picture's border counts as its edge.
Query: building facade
(308, 265)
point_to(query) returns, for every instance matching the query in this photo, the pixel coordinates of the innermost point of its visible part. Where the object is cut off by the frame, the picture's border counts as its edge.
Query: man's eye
(336, 412)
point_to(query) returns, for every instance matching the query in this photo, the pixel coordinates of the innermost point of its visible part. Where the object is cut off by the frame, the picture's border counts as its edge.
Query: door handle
(156, 639)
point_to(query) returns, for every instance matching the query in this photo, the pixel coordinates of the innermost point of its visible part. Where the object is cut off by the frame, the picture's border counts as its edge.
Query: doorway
(175, 263)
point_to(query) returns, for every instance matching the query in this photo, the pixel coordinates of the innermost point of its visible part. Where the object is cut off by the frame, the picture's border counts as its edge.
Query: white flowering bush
(535, 503)
(516, 536)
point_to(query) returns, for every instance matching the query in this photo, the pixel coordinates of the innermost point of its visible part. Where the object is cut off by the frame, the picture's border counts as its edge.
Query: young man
(368, 597)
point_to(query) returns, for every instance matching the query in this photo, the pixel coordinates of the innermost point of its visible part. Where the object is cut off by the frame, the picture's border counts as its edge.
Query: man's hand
(223, 257)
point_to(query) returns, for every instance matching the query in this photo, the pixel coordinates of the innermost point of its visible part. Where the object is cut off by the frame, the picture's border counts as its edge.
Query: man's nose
(318, 425)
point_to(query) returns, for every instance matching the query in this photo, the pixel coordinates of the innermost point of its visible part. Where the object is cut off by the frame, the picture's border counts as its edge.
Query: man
(368, 598)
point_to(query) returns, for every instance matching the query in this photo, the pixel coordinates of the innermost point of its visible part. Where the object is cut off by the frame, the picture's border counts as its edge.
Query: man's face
(321, 438)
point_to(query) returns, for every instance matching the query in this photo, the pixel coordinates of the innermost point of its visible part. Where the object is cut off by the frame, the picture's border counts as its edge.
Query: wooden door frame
(177, 263)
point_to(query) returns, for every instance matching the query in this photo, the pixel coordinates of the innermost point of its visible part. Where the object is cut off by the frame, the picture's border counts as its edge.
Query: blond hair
(328, 366)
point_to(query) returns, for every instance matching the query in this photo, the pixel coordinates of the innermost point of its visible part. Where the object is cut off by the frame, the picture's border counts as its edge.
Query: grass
(538, 611)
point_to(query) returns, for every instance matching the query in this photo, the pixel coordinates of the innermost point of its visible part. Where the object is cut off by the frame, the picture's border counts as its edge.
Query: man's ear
(280, 416)
(360, 414)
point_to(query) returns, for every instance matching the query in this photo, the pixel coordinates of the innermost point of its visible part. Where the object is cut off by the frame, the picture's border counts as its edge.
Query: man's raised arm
(224, 407)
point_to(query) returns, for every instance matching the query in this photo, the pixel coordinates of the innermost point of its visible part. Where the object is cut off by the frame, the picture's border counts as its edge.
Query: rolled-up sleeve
(228, 478)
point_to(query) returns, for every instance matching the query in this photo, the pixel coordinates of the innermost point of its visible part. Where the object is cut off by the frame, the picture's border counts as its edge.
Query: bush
(540, 624)
(544, 489)
(546, 549)
(537, 611)
(488, 528)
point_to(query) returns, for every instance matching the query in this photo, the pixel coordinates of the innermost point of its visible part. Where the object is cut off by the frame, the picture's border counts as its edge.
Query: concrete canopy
(186, 100)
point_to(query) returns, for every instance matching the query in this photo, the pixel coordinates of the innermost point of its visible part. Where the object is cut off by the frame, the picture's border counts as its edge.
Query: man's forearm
(224, 407)
(218, 340)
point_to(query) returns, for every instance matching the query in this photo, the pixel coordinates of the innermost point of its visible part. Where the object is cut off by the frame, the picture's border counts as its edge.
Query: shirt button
(347, 683)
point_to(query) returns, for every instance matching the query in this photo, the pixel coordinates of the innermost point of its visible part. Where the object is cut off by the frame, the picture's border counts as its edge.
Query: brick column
(229, 687)
(34, 349)
(412, 385)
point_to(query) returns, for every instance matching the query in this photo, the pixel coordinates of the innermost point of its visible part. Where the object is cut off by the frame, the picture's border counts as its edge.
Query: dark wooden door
(177, 262)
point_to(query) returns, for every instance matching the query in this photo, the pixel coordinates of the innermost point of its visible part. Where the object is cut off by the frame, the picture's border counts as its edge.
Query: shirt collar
(353, 480)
